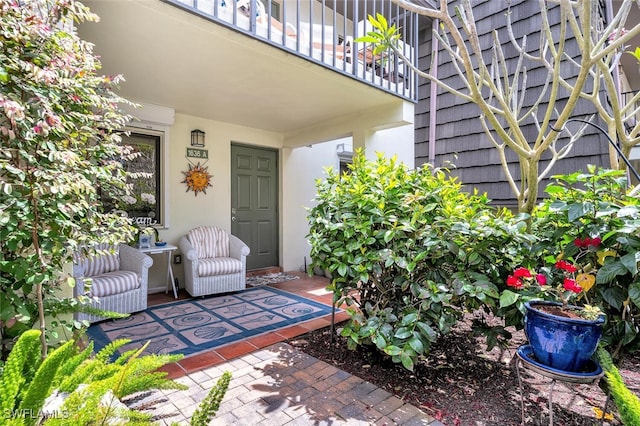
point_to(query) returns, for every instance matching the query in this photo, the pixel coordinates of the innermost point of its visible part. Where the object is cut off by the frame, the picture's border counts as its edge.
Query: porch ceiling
(173, 58)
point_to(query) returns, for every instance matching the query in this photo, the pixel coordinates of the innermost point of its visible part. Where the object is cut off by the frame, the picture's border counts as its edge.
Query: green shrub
(407, 249)
(592, 205)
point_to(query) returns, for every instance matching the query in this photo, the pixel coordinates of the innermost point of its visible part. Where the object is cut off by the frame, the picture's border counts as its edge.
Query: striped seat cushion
(210, 241)
(218, 266)
(114, 283)
(107, 259)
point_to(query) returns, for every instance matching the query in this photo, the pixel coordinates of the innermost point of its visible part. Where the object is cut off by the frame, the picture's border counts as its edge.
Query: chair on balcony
(239, 13)
(116, 277)
(214, 261)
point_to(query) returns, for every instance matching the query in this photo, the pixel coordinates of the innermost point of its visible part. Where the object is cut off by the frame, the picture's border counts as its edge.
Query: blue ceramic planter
(565, 344)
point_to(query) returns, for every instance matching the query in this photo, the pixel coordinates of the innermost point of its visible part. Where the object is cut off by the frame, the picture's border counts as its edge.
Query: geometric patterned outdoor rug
(195, 325)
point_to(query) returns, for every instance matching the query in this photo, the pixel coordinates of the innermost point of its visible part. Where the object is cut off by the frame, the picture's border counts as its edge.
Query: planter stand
(526, 359)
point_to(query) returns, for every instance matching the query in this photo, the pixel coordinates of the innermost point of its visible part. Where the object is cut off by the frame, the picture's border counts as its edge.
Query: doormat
(267, 279)
(196, 325)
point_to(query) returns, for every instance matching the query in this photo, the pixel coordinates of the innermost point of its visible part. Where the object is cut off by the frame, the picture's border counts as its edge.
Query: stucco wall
(185, 210)
(397, 141)
(298, 168)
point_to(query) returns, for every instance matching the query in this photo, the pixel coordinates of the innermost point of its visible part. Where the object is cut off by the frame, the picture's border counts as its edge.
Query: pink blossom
(53, 120)
(616, 34)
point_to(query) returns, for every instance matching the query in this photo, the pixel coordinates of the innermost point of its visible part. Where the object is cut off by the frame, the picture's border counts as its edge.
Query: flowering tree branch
(60, 153)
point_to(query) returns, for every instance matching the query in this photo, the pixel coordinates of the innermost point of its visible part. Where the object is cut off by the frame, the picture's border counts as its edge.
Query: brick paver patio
(275, 384)
(279, 385)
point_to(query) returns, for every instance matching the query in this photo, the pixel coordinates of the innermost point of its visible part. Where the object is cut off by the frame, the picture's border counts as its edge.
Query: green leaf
(634, 293)
(473, 258)
(342, 270)
(614, 296)
(630, 332)
(508, 298)
(367, 39)
(554, 189)
(392, 350)
(416, 345)
(630, 262)
(609, 271)
(409, 319)
(407, 361)
(577, 210)
(427, 331)
(379, 341)
(635, 53)
(402, 333)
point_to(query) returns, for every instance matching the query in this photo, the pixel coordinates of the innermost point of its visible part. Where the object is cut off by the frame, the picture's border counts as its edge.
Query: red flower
(587, 242)
(595, 242)
(571, 285)
(514, 282)
(566, 266)
(541, 279)
(522, 273)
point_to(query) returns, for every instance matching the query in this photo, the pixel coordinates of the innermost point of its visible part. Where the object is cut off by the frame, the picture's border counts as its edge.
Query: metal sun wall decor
(197, 178)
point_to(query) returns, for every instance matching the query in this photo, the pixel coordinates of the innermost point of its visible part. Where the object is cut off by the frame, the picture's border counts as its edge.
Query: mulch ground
(460, 383)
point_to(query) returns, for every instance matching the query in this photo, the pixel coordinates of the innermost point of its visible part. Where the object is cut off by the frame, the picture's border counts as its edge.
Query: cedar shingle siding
(460, 138)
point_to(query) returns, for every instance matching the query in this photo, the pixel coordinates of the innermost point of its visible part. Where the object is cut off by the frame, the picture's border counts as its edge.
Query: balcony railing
(315, 31)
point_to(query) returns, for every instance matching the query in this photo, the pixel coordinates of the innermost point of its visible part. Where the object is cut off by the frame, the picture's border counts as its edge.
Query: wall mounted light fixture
(197, 138)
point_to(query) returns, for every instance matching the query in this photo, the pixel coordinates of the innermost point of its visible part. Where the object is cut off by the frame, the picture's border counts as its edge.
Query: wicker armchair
(214, 261)
(118, 280)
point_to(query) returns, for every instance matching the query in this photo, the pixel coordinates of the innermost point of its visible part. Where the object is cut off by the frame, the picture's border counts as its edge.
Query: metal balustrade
(324, 32)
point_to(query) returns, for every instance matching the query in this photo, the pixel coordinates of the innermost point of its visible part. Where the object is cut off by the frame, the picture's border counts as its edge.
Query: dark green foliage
(596, 204)
(210, 405)
(408, 251)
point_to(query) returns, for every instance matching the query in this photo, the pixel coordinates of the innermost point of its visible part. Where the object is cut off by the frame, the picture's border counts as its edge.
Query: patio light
(197, 138)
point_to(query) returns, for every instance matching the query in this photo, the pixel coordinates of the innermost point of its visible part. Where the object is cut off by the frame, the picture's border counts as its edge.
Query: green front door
(254, 203)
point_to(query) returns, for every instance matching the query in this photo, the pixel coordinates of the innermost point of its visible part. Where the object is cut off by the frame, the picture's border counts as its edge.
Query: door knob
(233, 210)
(233, 218)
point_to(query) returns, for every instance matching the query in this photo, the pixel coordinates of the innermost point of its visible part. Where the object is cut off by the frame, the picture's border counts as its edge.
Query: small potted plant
(563, 329)
(158, 242)
(145, 236)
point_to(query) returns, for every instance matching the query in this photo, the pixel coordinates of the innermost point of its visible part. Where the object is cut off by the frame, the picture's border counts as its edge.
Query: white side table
(167, 249)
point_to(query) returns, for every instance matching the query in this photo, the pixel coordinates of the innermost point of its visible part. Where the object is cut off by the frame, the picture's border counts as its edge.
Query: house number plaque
(198, 153)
